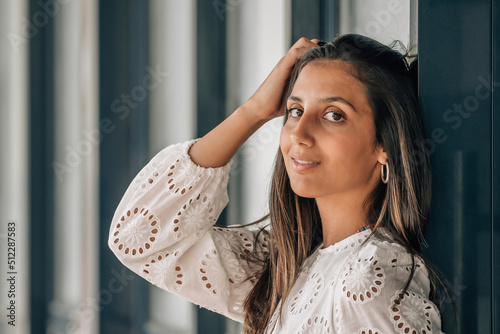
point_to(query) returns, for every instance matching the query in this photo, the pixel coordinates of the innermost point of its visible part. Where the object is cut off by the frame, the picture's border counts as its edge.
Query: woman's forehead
(331, 69)
(324, 78)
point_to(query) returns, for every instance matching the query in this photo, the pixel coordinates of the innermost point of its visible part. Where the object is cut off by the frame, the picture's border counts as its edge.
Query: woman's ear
(381, 155)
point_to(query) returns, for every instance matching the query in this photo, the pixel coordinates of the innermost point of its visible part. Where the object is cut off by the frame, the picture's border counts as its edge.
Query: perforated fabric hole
(316, 324)
(149, 175)
(370, 331)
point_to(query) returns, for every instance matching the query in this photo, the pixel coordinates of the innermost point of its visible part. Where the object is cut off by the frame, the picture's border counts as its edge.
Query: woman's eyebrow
(295, 98)
(326, 100)
(335, 99)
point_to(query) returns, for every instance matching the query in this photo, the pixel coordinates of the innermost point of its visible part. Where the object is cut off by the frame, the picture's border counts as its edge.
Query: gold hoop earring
(386, 178)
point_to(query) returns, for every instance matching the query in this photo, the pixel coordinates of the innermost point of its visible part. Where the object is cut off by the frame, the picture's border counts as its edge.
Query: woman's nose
(303, 132)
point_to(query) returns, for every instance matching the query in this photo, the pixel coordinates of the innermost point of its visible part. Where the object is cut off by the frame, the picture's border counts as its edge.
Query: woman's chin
(304, 193)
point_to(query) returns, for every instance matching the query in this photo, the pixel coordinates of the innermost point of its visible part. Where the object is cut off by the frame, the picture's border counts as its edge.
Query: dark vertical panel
(139, 137)
(139, 60)
(454, 41)
(41, 155)
(314, 19)
(211, 101)
(495, 123)
(210, 65)
(123, 60)
(329, 20)
(306, 19)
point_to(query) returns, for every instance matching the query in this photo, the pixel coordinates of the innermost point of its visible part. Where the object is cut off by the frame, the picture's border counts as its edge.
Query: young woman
(349, 201)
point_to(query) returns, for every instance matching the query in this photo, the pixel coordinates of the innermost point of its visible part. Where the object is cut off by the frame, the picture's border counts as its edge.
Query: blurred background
(90, 90)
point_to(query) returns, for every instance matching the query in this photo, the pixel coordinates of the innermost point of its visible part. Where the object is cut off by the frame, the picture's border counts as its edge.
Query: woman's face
(327, 139)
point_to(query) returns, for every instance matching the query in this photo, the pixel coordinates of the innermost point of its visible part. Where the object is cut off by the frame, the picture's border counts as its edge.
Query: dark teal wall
(455, 77)
(123, 59)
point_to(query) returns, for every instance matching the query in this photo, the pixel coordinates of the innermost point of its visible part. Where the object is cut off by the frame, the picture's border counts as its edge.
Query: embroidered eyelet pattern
(148, 176)
(212, 276)
(136, 231)
(402, 261)
(369, 331)
(411, 314)
(182, 175)
(363, 280)
(336, 315)
(317, 324)
(229, 256)
(308, 294)
(244, 240)
(161, 267)
(193, 216)
(343, 246)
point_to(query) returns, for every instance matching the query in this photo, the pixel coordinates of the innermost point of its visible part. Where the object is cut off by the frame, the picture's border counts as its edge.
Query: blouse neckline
(346, 243)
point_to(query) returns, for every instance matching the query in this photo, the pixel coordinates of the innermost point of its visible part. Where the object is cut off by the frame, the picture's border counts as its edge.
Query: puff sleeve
(163, 230)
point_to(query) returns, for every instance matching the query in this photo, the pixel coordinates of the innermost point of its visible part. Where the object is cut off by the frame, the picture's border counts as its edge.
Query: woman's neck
(341, 217)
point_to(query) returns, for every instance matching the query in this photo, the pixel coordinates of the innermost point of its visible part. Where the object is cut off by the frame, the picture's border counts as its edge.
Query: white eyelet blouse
(163, 230)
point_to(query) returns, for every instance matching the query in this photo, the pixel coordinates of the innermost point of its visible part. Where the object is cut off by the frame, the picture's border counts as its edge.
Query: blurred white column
(173, 50)
(73, 309)
(172, 120)
(258, 34)
(14, 141)
(382, 20)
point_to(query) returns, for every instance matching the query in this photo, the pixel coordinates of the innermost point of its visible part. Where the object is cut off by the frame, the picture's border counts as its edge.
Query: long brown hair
(401, 206)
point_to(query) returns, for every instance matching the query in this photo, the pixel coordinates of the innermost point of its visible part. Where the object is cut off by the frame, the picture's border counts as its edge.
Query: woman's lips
(303, 164)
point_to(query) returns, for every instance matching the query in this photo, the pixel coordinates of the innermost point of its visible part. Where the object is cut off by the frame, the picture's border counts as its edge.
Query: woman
(349, 200)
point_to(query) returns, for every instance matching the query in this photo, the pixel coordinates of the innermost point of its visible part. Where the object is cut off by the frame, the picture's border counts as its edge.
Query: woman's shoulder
(393, 263)
(389, 252)
(377, 283)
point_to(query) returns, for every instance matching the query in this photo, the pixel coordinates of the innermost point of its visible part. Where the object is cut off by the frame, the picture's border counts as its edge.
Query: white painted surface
(14, 141)
(172, 120)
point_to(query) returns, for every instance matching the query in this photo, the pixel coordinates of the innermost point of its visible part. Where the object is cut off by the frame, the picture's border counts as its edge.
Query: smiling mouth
(305, 162)
(303, 165)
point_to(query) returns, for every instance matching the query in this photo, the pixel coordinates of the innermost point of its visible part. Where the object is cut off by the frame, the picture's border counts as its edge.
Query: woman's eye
(294, 112)
(334, 116)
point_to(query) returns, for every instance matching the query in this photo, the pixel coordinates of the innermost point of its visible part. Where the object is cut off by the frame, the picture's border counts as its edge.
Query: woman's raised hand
(267, 102)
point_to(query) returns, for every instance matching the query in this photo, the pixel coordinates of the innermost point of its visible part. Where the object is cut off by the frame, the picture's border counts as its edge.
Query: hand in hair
(268, 100)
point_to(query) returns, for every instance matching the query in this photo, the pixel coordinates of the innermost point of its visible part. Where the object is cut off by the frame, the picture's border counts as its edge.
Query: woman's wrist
(249, 114)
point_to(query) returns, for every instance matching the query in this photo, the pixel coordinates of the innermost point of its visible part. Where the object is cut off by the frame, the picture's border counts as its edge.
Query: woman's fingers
(304, 42)
(303, 45)
(297, 50)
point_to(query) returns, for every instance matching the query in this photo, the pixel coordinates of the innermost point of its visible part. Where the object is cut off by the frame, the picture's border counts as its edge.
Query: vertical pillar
(172, 119)
(14, 145)
(76, 147)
